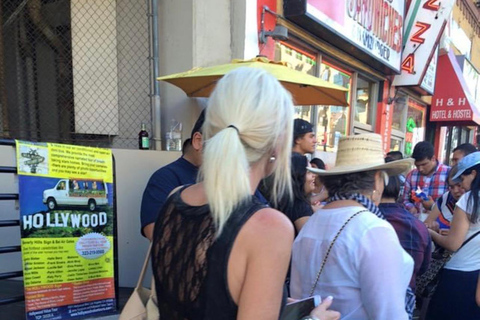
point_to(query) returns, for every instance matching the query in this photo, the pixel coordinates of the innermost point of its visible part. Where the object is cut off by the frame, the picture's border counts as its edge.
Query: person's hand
(322, 312)
(290, 300)
(432, 225)
(432, 232)
(316, 205)
(428, 204)
(444, 232)
(413, 210)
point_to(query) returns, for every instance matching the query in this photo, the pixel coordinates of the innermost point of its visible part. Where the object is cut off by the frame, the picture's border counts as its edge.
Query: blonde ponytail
(249, 117)
(226, 175)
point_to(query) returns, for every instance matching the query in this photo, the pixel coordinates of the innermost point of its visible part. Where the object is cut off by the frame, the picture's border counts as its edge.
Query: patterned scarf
(361, 199)
(368, 204)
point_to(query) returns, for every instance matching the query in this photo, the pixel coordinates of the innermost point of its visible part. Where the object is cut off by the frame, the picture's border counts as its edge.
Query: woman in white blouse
(454, 297)
(367, 271)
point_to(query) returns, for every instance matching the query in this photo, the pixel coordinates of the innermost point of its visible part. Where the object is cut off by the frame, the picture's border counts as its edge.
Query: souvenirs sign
(374, 26)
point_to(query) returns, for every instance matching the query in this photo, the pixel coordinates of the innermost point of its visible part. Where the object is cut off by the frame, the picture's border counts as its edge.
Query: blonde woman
(218, 253)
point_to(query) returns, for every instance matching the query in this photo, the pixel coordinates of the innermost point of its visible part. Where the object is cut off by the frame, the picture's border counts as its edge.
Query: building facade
(461, 39)
(84, 72)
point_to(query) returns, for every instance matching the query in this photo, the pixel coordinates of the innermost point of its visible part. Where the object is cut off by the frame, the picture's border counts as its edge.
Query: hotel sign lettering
(460, 109)
(452, 100)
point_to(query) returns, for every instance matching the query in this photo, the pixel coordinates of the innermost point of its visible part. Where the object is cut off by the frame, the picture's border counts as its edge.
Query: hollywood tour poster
(67, 221)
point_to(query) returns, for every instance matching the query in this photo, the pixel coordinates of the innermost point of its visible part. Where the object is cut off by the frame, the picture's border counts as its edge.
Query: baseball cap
(198, 124)
(301, 126)
(466, 163)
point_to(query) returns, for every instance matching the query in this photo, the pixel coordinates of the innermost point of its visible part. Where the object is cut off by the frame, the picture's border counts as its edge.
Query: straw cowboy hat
(360, 153)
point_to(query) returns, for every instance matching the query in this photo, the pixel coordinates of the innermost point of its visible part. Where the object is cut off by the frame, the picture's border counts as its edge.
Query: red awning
(452, 102)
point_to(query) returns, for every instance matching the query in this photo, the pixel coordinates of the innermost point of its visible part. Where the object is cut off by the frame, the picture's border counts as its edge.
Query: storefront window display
(398, 116)
(453, 137)
(395, 144)
(446, 153)
(300, 60)
(415, 126)
(465, 137)
(399, 113)
(364, 106)
(332, 121)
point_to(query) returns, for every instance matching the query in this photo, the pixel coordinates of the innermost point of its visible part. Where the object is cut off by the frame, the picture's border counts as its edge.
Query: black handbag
(426, 283)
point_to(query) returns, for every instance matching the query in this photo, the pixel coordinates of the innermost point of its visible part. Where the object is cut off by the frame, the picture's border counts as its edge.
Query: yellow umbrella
(305, 89)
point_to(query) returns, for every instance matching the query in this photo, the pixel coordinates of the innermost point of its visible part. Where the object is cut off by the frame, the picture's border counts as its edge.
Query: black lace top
(190, 264)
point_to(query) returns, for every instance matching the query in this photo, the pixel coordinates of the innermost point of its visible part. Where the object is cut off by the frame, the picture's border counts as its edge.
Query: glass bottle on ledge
(143, 140)
(174, 136)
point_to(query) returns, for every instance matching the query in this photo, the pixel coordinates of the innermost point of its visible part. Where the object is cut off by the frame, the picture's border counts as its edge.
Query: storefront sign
(424, 25)
(452, 100)
(428, 82)
(387, 127)
(66, 214)
(374, 26)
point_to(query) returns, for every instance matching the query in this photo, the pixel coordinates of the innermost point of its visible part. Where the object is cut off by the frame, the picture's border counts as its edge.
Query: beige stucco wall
(198, 34)
(133, 168)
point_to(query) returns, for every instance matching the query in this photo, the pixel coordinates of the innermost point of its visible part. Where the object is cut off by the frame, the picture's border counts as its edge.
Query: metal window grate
(75, 71)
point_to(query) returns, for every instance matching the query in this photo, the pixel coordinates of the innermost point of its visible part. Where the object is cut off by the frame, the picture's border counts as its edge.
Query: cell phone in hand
(300, 308)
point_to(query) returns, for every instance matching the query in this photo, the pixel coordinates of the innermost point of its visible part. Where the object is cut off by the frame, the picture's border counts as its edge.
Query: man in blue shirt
(182, 171)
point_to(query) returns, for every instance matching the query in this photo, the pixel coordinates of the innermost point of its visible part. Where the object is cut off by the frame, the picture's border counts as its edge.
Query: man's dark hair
(298, 171)
(186, 145)
(423, 150)
(466, 148)
(198, 124)
(318, 162)
(395, 155)
(300, 201)
(357, 182)
(300, 128)
(392, 189)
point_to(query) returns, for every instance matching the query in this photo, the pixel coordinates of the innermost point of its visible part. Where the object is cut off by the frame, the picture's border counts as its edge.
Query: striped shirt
(435, 184)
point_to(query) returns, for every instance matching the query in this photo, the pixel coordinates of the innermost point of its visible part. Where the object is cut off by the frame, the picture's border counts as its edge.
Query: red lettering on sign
(377, 14)
(430, 5)
(379, 17)
(386, 12)
(391, 19)
(398, 29)
(408, 63)
(423, 27)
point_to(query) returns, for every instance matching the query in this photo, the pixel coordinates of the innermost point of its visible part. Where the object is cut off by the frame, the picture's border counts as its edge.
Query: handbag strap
(330, 248)
(468, 240)
(145, 266)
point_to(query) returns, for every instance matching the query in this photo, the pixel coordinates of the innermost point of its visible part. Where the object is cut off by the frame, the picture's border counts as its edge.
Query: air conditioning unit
(477, 3)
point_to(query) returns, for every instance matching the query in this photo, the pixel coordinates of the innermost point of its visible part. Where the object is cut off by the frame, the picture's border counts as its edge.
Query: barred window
(75, 71)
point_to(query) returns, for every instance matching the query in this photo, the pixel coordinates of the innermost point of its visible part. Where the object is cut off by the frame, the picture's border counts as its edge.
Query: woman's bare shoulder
(269, 223)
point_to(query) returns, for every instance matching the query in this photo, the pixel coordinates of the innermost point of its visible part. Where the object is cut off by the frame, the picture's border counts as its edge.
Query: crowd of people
(244, 222)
